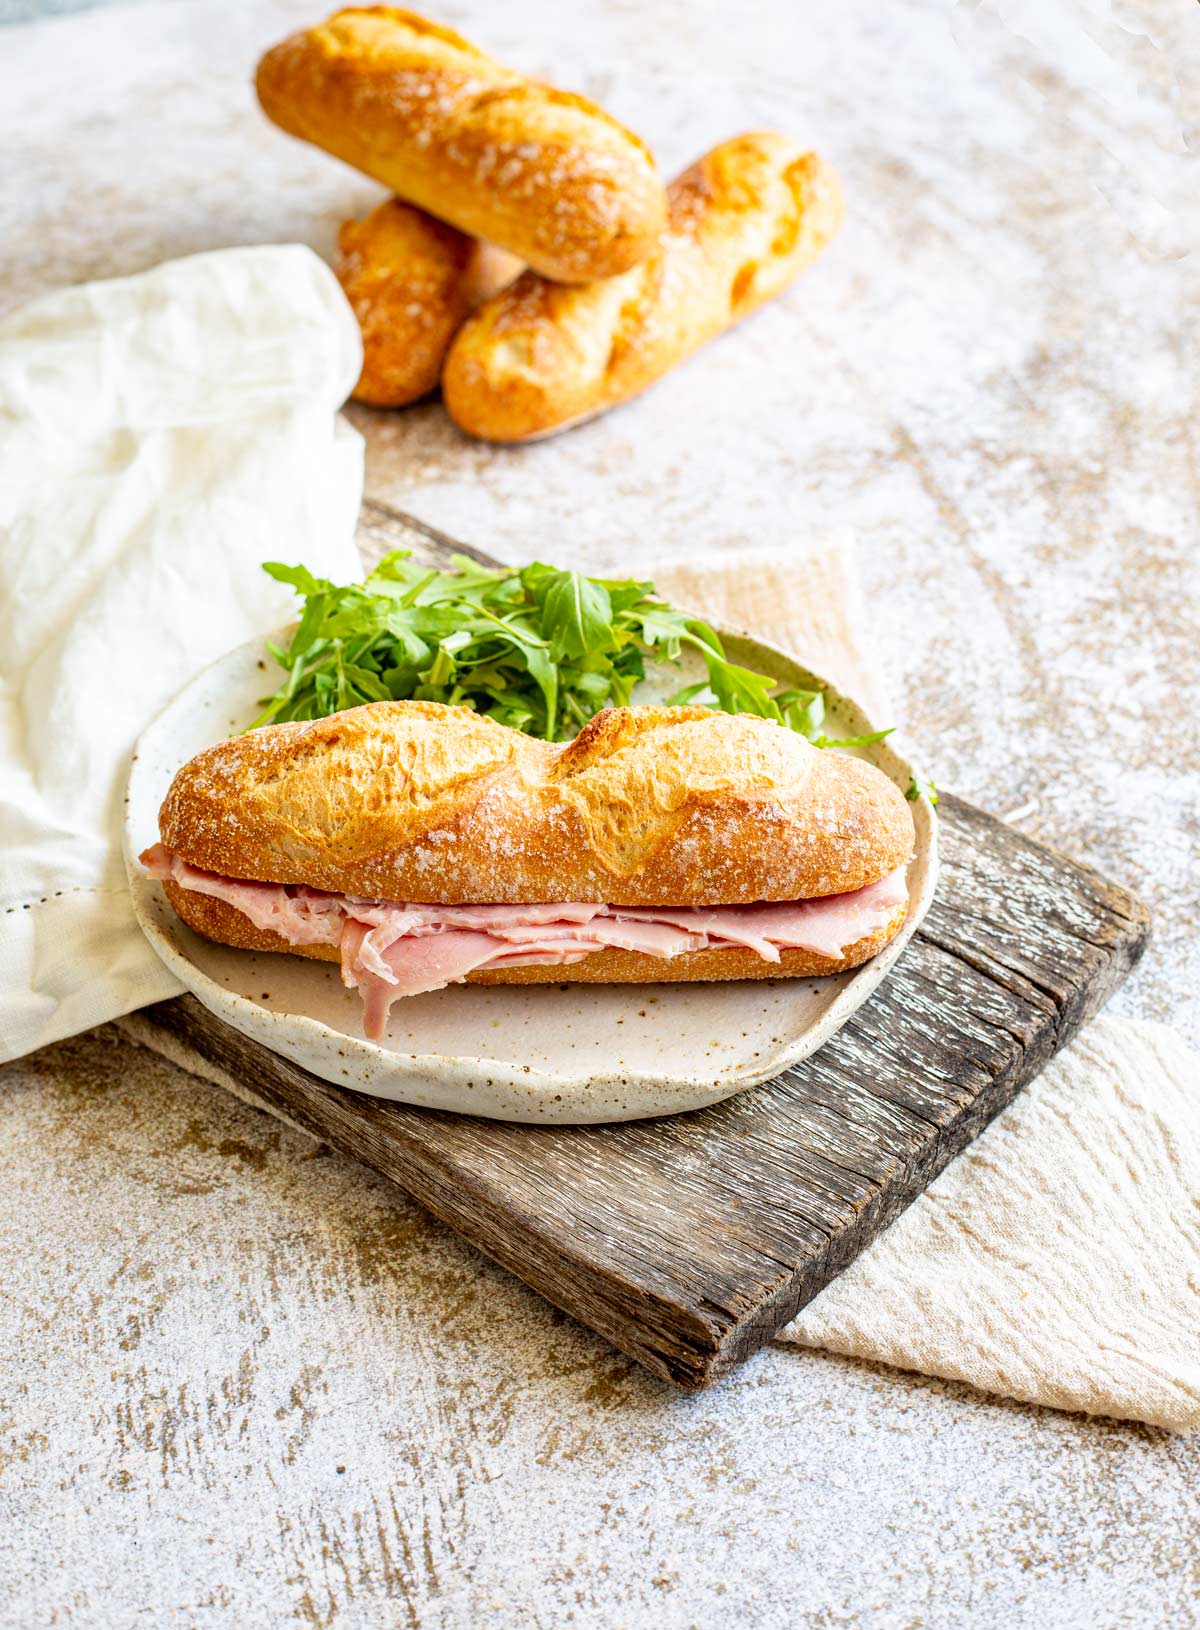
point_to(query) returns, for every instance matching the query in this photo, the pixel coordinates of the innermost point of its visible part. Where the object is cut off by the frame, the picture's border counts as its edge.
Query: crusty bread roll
(743, 222)
(411, 280)
(648, 806)
(547, 175)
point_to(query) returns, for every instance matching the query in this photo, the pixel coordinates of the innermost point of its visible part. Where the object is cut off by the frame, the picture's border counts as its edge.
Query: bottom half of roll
(388, 951)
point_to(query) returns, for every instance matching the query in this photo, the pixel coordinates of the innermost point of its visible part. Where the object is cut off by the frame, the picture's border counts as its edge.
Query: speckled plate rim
(515, 1090)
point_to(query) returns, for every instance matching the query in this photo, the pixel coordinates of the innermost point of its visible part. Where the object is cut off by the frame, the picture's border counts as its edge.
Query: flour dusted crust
(545, 174)
(742, 223)
(411, 280)
(648, 806)
(219, 921)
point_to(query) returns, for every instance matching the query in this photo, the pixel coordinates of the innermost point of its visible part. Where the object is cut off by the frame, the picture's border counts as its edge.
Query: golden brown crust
(742, 223)
(648, 806)
(547, 175)
(411, 280)
(219, 921)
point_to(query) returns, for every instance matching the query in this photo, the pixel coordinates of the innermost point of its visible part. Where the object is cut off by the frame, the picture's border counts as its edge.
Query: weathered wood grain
(688, 1242)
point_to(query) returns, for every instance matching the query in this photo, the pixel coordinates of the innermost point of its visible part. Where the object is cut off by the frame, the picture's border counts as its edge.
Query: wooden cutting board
(689, 1242)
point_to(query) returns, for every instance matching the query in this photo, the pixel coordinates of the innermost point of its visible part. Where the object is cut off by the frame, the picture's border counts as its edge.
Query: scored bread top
(647, 806)
(541, 172)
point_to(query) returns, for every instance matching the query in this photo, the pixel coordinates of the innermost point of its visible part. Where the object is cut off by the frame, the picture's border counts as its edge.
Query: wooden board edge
(780, 1305)
(603, 1301)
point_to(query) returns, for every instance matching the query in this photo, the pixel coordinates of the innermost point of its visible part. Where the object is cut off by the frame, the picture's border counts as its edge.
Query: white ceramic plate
(540, 1053)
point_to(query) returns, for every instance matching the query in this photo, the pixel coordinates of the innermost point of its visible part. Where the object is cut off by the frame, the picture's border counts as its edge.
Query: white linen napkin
(160, 435)
(1056, 1259)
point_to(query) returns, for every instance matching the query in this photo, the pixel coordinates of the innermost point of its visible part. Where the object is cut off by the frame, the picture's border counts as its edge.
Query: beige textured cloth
(1057, 1260)
(811, 606)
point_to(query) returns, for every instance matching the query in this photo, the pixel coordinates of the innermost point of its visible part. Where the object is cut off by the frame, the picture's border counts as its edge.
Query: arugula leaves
(537, 648)
(580, 613)
(921, 789)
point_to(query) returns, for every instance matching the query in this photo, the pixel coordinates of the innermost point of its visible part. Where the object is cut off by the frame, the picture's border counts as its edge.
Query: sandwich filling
(389, 949)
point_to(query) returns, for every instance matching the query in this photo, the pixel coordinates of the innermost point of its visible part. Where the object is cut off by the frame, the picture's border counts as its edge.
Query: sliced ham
(652, 939)
(422, 962)
(498, 919)
(301, 916)
(825, 926)
(391, 949)
(544, 957)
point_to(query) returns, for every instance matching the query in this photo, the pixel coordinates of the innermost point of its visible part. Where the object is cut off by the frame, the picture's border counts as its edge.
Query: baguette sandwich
(543, 173)
(420, 845)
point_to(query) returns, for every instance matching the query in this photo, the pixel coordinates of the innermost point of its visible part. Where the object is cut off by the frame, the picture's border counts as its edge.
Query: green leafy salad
(536, 648)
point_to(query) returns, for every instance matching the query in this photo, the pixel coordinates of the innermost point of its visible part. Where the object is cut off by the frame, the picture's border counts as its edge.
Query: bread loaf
(411, 281)
(742, 223)
(544, 174)
(648, 806)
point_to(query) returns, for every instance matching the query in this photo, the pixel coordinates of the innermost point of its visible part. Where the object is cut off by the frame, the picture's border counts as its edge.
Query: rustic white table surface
(242, 1381)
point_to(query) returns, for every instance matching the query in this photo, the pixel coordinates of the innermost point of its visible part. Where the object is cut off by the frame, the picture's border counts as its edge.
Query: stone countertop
(243, 1380)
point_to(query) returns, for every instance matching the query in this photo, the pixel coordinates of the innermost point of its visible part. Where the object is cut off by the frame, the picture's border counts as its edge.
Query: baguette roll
(544, 174)
(411, 281)
(742, 223)
(420, 845)
(648, 806)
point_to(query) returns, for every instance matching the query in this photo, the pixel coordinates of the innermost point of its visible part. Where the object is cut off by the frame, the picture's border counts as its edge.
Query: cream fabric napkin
(1057, 1260)
(160, 435)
